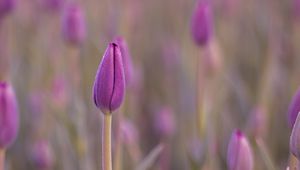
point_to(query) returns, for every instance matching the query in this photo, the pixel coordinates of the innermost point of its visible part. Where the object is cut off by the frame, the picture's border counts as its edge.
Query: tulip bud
(294, 109)
(295, 139)
(9, 115)
(109, 85)
(201, 24)
(6, 6)
(127, 61)
(164, 122)
(42, 155)
(73, 25)
(239, 155)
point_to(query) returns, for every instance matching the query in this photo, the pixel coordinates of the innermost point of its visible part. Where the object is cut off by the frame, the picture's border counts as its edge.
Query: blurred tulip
(164, 122)
(201, 23)
(257, 122)
(53, 5)
(6, 6)
(109, 85)
(41, 155)
(295, 139)
(9, 115)
(239, 155)
(73, 25)
(294, 109)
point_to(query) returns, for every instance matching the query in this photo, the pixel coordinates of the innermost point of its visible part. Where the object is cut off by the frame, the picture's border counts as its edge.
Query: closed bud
(6, 6)
(73, 25)
(239, 155)
(201, 24)
(41, 155)
(109, 85)
(9, 115)
(295, 139)
(294, 109)
(164, 122)
(127, 60)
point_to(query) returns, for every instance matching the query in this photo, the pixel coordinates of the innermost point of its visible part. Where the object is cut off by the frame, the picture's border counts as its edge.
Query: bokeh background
(250, 72)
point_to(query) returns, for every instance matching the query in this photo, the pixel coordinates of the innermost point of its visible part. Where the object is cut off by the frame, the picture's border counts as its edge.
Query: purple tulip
(294, 109)
(109, 85)
(73, 25)
(6, 6)
(239, 155)
(295, 139)
(42, 155)
(9, 115)
(201, 24)
(127, 61)
(164, 122)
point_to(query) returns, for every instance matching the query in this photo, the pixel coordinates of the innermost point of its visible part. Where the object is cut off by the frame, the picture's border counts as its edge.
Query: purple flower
(42, 155)
(239, 155)
(201, 24)
(294, 109)
(73, 25)
(127, 61)
(295, 138)
(9, 115)
(109, 85)
(164, 122)
(6, 6)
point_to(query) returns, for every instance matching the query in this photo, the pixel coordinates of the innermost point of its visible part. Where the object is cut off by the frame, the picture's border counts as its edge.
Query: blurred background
(250, 72)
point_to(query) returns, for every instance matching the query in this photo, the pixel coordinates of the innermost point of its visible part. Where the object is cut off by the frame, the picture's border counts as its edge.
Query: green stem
(106, 142)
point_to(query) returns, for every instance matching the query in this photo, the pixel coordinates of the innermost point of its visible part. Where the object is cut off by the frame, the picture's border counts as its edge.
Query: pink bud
(41, 155)
(239, 155)
(73, 25)
(9, 115)
(109, 85)
(164, 122)
(201, 24)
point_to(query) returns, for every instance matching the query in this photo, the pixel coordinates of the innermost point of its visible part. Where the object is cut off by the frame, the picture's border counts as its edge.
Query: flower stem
(106, 143)
(2, 158)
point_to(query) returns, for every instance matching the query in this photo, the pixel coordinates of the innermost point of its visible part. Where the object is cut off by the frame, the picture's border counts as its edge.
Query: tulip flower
(9, 118)
(6, 6)
(73, 25)
(294, 109)
(201, 23)
(239, 155)
(295, 139)
(109, 90)
(42, 155)
(164, 122)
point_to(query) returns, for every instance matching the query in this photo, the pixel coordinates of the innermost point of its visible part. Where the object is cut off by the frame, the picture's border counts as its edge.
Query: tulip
(109, 85)
(295, 139)
(42, 155)
(239, 155)
(201, 23)
(73, 25)
(109, 90)
(9, 115)
(164, 122)
(294, 109)
(9, 118)
(6, 6)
